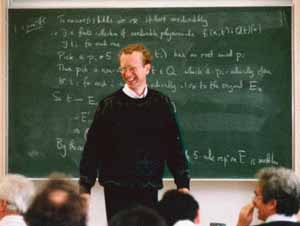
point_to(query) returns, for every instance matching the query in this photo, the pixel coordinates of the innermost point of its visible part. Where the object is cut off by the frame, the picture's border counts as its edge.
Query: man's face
(264, 209)
(133, 71)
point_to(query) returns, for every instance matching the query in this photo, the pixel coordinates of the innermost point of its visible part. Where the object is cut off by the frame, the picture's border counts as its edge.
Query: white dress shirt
(12, 220)
(184, 223)
(129, 92)
(281, 217)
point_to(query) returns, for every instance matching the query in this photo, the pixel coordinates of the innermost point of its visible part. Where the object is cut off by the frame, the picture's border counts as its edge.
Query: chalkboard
(227, 71)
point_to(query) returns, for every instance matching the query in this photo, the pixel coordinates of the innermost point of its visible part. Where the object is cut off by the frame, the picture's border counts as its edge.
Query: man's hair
(137, 216)
(176, 205)
(57, 204)
(283, 185)
(147, 57)
(17, 190)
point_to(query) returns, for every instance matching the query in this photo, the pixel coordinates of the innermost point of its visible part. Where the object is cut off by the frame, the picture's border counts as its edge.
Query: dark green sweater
(129, 142)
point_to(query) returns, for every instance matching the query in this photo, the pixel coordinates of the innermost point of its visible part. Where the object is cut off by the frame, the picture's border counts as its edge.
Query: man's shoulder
(157, 94)
(105, 105)
(280, 223)
(115, 95)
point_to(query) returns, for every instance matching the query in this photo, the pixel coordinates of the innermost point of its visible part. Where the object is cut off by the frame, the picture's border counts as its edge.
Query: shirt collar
(184, 223)
(129, 92)
(281, 217)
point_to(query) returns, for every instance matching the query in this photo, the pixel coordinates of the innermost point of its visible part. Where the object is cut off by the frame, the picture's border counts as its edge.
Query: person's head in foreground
(137, 216)
(176, 207)
(276, 197)
(16, 193)
(57, 204)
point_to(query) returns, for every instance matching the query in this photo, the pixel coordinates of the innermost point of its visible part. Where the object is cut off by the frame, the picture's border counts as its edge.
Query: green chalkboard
(227, 71)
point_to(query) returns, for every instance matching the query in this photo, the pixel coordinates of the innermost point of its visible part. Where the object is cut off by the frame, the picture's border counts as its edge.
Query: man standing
(134, 132)
(276, 198)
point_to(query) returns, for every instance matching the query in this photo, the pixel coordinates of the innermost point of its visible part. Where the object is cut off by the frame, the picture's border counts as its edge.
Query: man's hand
(246, 215)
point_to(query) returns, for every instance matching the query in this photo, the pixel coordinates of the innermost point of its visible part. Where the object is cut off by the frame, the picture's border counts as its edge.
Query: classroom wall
(220, 200)
(296, 42)
(3, 36)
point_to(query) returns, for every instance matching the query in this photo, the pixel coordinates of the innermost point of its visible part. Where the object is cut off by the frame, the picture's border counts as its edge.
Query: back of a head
(57, 204)
(18, 191)
(283, 185)
(138, 216)
(175, 206)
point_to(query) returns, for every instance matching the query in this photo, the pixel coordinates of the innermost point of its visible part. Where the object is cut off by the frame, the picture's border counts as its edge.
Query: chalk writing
(34, 24)
(227, 158)
(250, 29)
(65, 147)
(99, 19)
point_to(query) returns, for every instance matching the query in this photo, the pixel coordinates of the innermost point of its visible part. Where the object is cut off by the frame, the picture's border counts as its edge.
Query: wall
(3, 38)
(296, 26)
(296, 42)
(220, 200)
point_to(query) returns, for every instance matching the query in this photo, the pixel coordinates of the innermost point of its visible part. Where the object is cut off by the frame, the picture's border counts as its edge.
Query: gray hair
(17, 190)
(283, 185)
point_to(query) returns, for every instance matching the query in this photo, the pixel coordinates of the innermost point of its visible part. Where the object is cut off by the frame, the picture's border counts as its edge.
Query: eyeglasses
(128, 68)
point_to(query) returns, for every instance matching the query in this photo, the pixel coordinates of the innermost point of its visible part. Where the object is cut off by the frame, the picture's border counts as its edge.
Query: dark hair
(137, 216)
(137, 47)
(283, 185)
(46, 211)
(176, 205)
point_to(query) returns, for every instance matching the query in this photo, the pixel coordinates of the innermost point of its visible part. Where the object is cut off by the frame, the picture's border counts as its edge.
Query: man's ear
(197, 218)
(3, 208)
(148, 68)
(272, 206)
(3, 205)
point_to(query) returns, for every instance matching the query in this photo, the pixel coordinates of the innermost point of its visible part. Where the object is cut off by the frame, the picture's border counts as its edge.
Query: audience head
(277, 191)
(138, 216)
(57, 204)
(16, 193)
(176, 205)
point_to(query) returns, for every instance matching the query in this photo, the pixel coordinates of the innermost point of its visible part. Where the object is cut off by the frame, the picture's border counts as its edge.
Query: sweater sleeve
(90, 159)
(176, 158)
